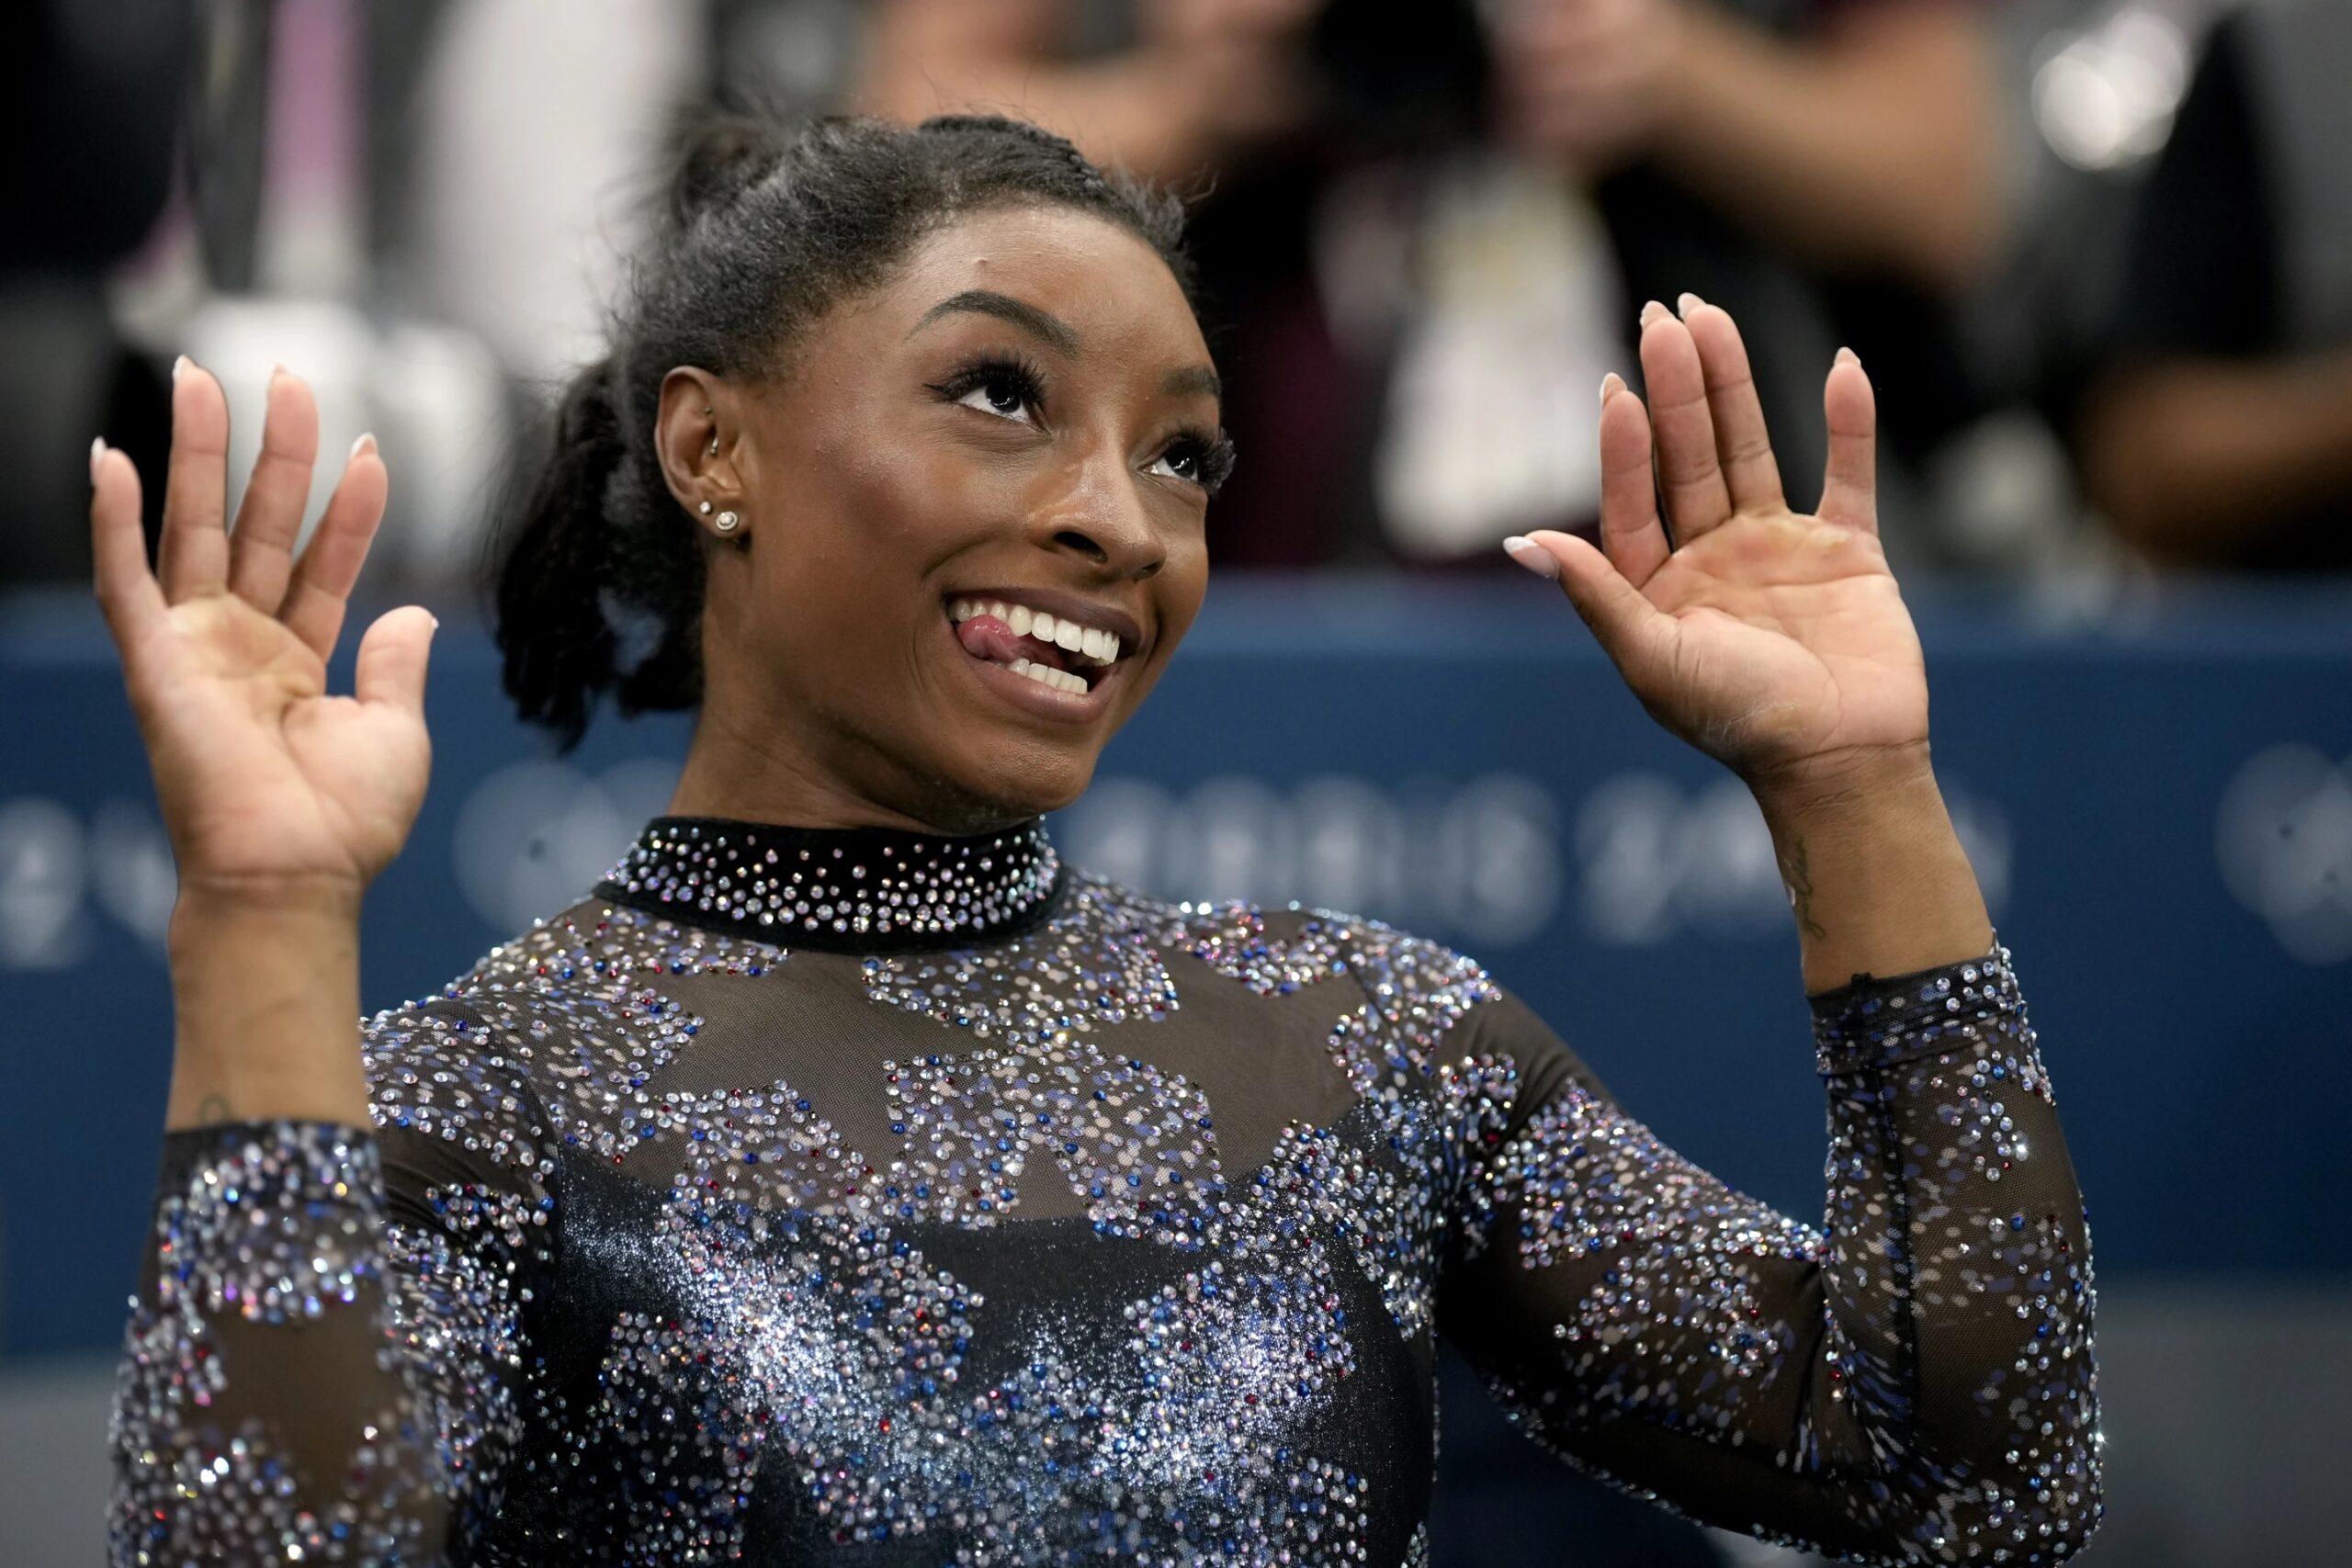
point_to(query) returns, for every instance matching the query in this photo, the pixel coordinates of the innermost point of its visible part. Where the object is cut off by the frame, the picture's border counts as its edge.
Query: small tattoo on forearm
(1799, 877)
(215, 1107)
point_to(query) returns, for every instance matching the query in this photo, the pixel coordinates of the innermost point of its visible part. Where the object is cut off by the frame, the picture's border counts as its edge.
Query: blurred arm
(2192, 461)
(1872, 147)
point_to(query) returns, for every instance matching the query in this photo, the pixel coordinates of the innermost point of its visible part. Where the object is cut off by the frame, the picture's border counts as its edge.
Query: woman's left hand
(1774, 640)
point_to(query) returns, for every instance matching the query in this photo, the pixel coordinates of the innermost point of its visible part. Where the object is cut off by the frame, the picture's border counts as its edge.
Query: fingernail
(179, 367)
(278, 372)
(1611, 385)
(435, 619)
(367, 443)
(1847, 357)
(98, 456)
(1686, 304)
(1532, 555)
(1654, 312)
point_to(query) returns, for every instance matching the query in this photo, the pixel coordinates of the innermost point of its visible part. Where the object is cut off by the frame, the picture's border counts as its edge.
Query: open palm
(1772, 639)
(266, 782)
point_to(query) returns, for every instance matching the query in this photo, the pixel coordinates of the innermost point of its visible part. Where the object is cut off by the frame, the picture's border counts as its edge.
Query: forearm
(265, 1001)
(2192, 460)
(1877, 880)
(1875, 148)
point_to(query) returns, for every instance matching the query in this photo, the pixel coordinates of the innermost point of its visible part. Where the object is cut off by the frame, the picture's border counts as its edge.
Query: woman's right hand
(272, 790)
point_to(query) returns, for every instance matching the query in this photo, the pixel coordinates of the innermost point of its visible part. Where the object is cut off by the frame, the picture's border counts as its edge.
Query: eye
(1181, 461)
(1196, 460)
(1007, 389)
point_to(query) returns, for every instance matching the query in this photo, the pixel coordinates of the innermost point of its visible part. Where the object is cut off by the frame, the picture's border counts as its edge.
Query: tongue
(985, 637)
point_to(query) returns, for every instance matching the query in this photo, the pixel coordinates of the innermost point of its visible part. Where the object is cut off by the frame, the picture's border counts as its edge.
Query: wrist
(265, 1003)
(277, 910)
(1851, 784)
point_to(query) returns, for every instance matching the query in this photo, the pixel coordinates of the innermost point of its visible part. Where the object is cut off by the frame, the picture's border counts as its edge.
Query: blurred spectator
(87, 120)
(2222, 435)
(1431, 225)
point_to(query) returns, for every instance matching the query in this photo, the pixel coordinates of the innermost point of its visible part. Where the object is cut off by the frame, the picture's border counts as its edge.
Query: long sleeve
(1912, 1383)
(323, 1360)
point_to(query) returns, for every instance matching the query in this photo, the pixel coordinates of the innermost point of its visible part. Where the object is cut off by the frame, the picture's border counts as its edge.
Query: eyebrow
(1195, 379)
(1050, 328)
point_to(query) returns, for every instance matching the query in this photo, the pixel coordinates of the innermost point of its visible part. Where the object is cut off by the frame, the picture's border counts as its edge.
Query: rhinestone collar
(850, 889)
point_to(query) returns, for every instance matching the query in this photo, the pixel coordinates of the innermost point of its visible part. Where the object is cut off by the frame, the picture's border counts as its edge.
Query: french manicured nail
(1532, 555)
(367, 443)
(1611, 385)
(1847, 357)
(98, 456)
(179, 366)
(1654, 312)
(1686, 304)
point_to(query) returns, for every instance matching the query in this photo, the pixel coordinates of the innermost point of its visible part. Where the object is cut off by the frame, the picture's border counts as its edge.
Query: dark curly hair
(765, 224)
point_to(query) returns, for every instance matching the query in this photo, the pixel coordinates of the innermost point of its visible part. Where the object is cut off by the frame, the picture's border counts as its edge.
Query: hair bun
(717, 155)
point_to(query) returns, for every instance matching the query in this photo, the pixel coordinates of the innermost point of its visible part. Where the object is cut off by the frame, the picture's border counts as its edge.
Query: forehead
(1106, 284)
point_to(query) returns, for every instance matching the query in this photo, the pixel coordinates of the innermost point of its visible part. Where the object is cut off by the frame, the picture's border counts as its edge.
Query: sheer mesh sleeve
(1911, 1383)
(323, 1360)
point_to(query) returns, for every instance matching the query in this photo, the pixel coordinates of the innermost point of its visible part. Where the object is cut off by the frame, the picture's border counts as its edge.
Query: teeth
(1090, 643)
(1046, 675)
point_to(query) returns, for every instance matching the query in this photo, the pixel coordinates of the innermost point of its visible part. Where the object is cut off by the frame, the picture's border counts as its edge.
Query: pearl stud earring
(704, 509)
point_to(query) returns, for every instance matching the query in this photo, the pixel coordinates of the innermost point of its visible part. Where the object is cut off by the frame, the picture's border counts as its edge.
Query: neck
(769, 777)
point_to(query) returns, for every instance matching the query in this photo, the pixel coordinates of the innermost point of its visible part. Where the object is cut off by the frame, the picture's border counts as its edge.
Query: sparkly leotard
(850, 1197)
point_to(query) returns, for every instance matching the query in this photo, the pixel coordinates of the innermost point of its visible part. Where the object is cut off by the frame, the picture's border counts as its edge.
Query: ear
(695, 434)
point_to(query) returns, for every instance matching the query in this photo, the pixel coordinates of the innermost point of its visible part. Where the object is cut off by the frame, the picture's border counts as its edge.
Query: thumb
(1630, 629)
(392, 658)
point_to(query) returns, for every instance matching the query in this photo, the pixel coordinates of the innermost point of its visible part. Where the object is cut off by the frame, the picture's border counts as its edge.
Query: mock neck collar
(848, 889)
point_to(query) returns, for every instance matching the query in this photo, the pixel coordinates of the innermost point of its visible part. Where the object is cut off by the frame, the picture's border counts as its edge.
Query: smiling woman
(845, 1178)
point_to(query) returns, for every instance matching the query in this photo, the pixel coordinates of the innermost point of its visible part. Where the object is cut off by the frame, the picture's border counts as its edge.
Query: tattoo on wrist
(214, 1107)
(1799, 876)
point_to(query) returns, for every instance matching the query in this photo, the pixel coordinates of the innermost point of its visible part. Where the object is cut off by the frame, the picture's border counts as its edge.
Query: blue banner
(2158, 799)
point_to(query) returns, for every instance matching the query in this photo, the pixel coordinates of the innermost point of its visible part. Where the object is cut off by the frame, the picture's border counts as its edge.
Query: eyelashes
(994, 373)
(1211, 455)
(1015, 386)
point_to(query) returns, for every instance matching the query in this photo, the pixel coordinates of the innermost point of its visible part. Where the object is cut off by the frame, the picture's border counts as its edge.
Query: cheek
(858, 529)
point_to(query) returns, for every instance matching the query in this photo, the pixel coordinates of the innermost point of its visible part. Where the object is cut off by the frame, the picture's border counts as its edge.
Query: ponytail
(591, 557)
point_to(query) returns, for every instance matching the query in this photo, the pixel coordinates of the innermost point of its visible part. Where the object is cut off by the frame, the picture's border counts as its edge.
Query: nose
(1096, 510)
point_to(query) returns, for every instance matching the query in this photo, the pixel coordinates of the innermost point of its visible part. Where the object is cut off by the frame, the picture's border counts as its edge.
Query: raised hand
(1772, 639)
(272, 790)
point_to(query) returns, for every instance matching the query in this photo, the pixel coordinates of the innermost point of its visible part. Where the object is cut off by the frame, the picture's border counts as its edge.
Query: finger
(194, 555)
(1631, 533)
(1696, 501)
(1850, 483)
(1743, 448)
(392, 658)
(269, 519)
(127, 590)
(1631, 630)
(338, 548)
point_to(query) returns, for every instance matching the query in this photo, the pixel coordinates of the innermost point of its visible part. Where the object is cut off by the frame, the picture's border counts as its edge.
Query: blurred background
(2096, 254)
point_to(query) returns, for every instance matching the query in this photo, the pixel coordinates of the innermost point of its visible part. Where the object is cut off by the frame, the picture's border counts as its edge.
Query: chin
(1017, 785)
